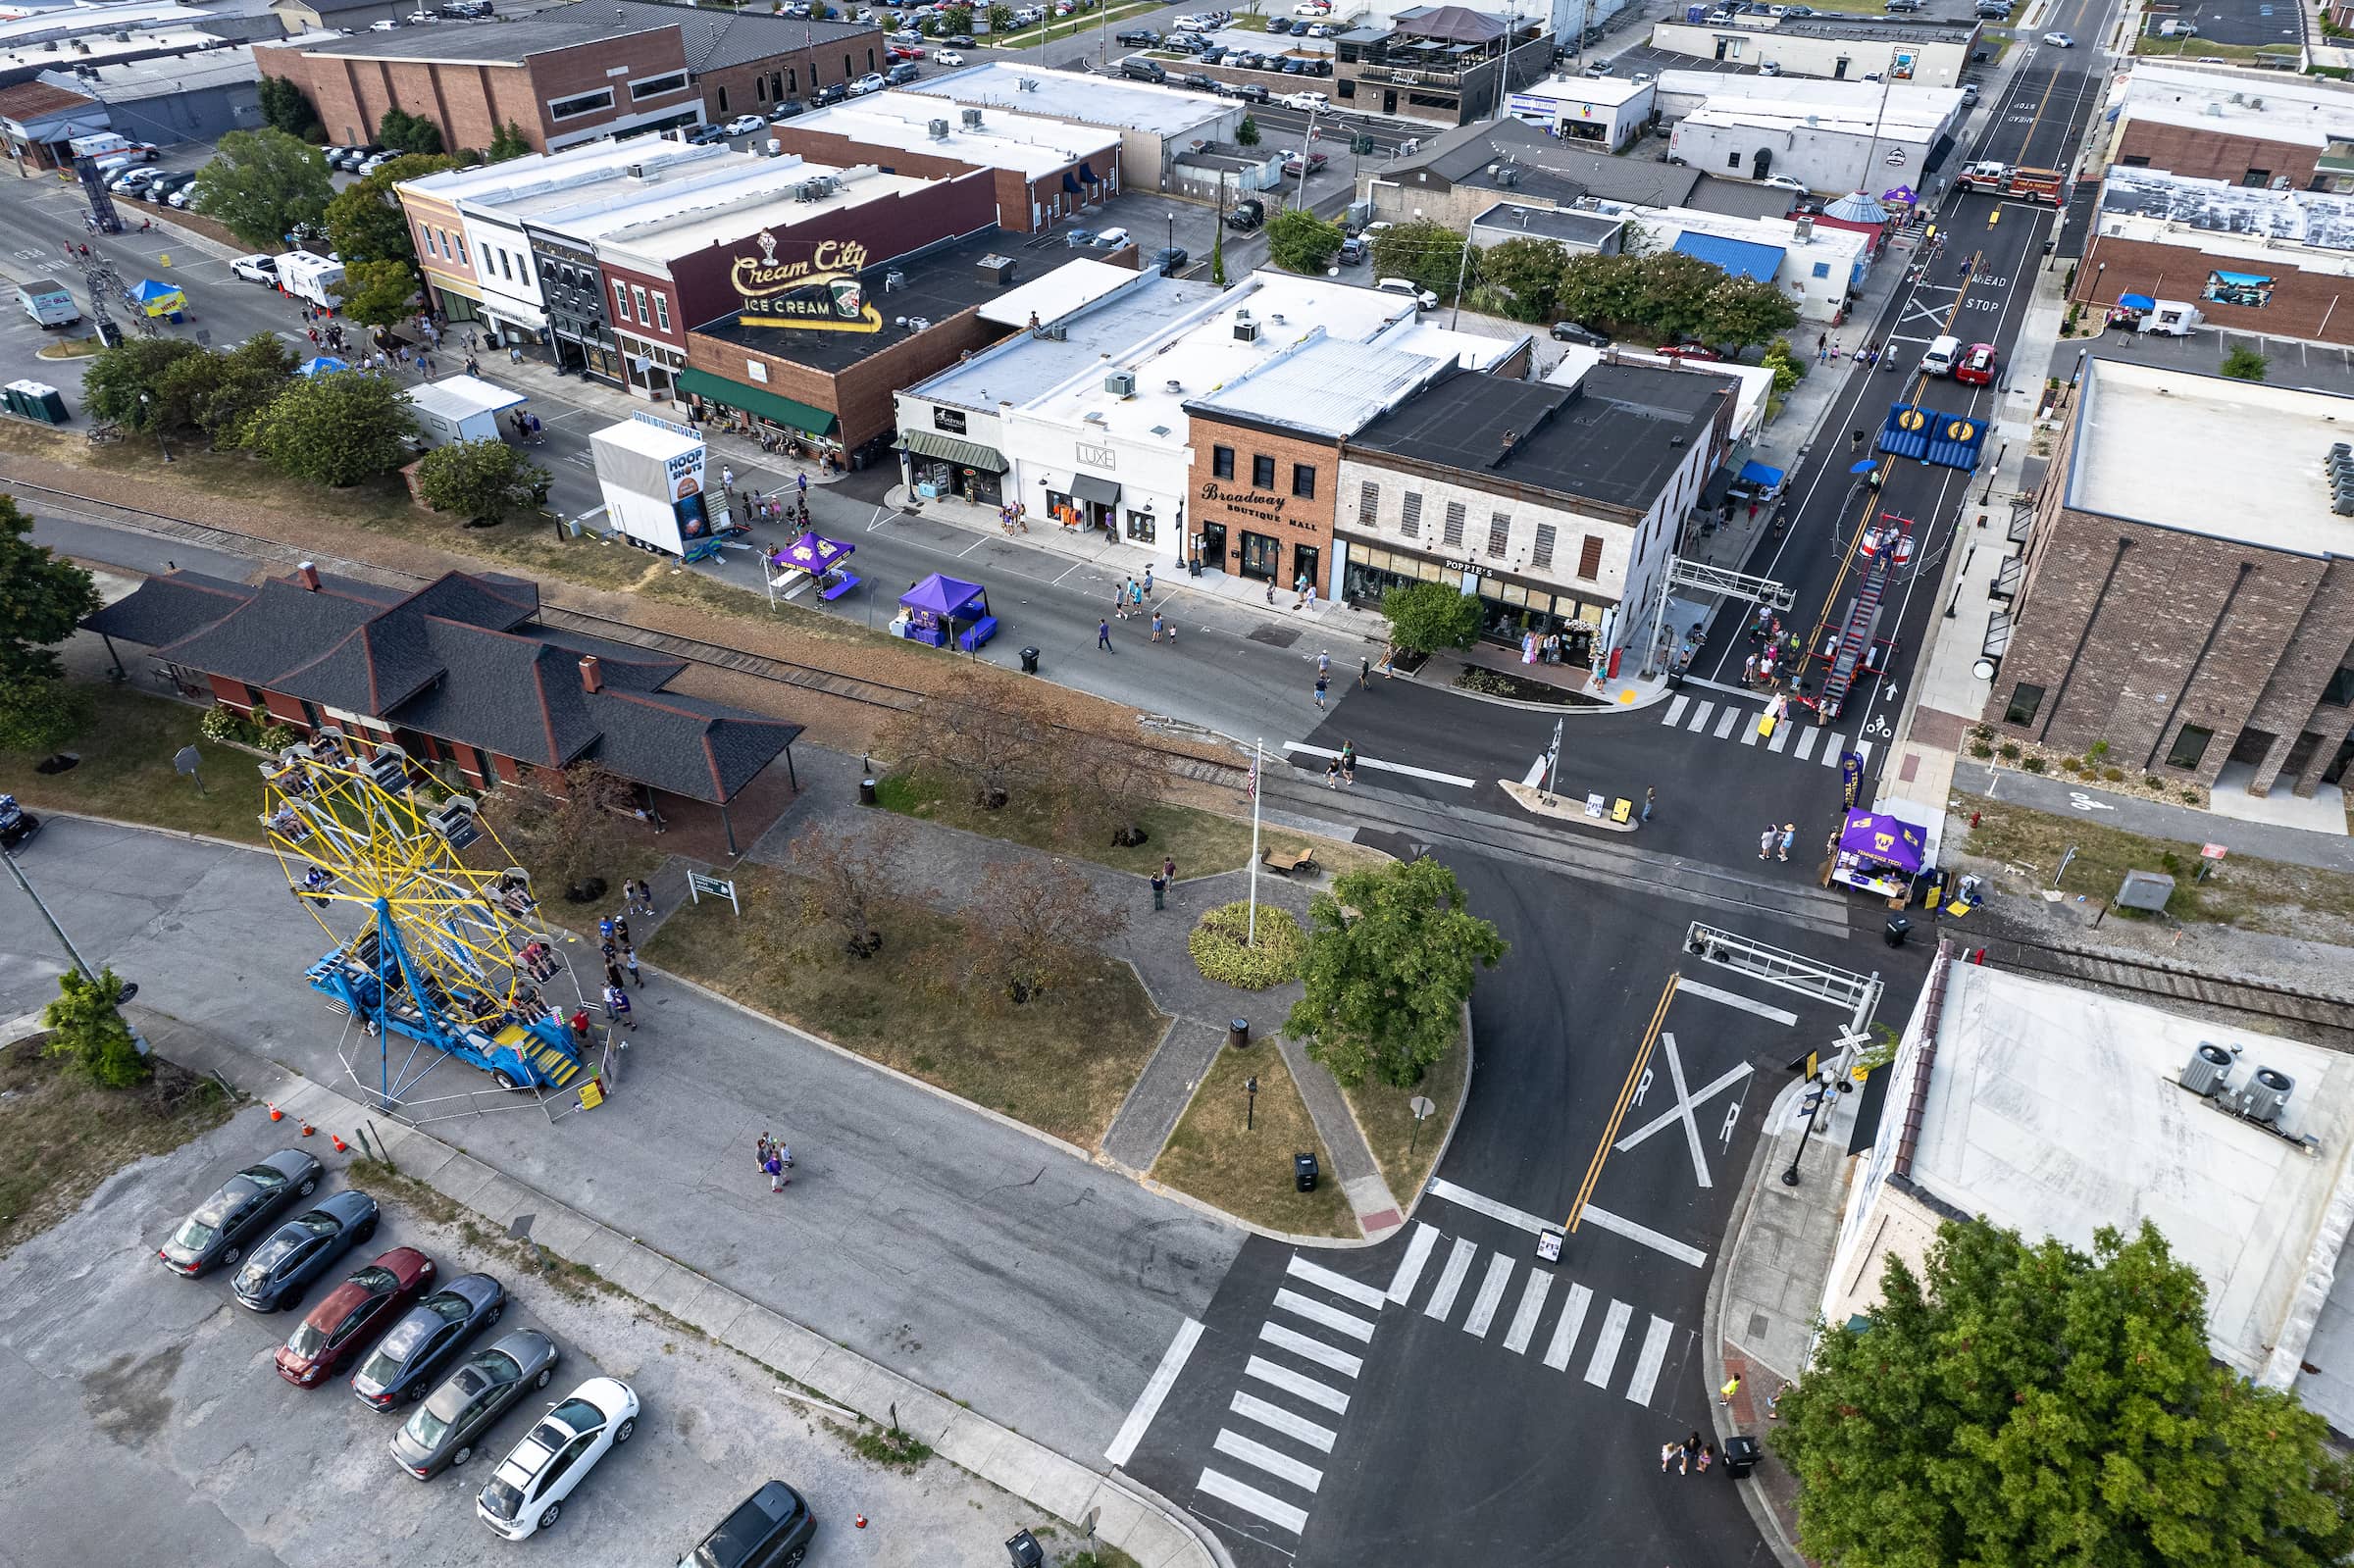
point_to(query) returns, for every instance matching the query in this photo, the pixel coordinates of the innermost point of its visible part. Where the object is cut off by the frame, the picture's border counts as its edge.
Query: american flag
(1251, 792)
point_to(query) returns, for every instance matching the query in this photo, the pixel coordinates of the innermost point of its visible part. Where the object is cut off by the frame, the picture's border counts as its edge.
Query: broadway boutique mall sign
(822, 293)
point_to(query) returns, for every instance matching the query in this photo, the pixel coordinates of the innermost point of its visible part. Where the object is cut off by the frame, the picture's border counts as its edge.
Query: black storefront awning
(1101, 492)
(1087, 176)
(1070, 184)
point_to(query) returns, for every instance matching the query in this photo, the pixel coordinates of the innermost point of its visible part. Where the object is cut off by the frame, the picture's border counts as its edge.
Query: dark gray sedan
(303, 1248)
(444, 1431)
(406, 1360)
(226, 1224)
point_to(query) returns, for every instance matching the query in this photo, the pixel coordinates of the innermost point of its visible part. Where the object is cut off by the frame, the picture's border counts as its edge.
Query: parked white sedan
(528, 1490)
(746, 124)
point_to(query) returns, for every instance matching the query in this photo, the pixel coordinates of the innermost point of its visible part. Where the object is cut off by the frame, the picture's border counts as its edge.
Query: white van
(1940, 357)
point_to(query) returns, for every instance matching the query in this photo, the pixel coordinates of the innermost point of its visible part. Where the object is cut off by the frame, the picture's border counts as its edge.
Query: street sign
(2213, 852)
(718, 887)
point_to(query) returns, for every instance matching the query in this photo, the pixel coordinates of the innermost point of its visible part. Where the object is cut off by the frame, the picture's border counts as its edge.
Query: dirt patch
(59, 1136)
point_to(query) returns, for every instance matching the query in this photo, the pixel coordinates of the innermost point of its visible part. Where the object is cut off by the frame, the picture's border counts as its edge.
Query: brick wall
(1247, 508)
(861, 397)
(2316, 306)
(2207, 154)
(755, 86)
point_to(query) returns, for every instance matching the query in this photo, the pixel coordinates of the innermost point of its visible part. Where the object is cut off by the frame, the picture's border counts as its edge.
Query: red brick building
(2193, 616)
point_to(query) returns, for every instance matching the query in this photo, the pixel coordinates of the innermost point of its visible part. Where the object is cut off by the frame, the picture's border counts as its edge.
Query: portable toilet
(14, 394)
(52, 402)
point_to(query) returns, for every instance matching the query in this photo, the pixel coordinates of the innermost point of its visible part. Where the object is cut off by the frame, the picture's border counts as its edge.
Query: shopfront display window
(1262, 556)
(974, 484)
(1508, 610)
(1143, 528)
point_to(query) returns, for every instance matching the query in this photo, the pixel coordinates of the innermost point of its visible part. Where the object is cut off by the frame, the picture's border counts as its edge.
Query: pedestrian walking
(613, 974)
(1767, 841)
(1136, 596)
(629, 961)
(1691, 1447)
(1668, 1452)
(1157, 626)
(1332, 773)
(617, 1008)
(1119, 603)
(1323, 662)
(514, 355)
(621, 931)
(1651, 798)
(774, 1165)
(1789, 837)
(1321, 683)
(1365, 672)
(1168, 868)
(1103, 636)
(1708, 1457)
(1160, 887)
(1732, 1385)
(580, 1027)
(760, 1153)
(1147, 580)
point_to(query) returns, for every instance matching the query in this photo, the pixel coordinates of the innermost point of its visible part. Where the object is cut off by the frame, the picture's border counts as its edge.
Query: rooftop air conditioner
(2266, 1095)
(2208, 1071)
(972, 119)
(938, 129)
(1244, 329)
(1120, 383)
(894, 280)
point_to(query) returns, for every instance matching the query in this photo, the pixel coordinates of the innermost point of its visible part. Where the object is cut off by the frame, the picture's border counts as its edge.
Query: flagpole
(1250, 935)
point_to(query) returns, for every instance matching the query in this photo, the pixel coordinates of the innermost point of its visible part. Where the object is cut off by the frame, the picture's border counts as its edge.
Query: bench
(1287, 861)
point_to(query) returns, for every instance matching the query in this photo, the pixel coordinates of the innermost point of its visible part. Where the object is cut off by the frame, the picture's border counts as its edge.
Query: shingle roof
(165, 609)
(282, 628)
(513, 695)
(686, 746)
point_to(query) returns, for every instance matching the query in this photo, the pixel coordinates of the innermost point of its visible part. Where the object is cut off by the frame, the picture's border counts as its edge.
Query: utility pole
(54, 930)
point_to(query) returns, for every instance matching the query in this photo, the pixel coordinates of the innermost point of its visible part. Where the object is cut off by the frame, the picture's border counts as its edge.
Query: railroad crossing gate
(1949, 440)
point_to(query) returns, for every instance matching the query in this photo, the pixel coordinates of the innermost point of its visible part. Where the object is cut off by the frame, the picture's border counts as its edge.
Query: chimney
(308, 576)
(592, 679)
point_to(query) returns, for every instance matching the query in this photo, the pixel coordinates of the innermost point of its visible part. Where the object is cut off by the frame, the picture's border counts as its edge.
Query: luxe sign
(823, 293)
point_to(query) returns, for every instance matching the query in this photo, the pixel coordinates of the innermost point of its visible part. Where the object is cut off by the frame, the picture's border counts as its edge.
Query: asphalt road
(954, 1250)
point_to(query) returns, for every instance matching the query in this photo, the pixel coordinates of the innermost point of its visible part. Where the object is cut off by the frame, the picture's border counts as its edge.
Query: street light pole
(1815, 1109)
(54, 930)
(145, 404)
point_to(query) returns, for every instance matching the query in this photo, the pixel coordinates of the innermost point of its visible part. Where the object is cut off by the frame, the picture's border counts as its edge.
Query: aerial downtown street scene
(1077, 785)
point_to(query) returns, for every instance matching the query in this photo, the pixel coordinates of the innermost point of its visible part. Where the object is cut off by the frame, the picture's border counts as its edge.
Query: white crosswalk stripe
(1340, 1285)
(1605, 1346)
(1316, 1350)
(1410, 1267)
(1781, 738)
(1675, 710)
(1564, 1332)
(1806, 741)
(1700, 717)
(1524, 1317)
(1791, 738)
(1832, 744)
(1730, 718)
(1749, 732)
(1296, 1385)
(1648, 1361)
(1451, 1280)
(1282, 1466)
(1276, 1418)
(1491, 1292)
(1330, 1317)
(1249, 1499)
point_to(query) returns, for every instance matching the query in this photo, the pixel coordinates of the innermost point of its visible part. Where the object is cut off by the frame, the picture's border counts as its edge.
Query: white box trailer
(2172, 318)
(460, 408)
(652, 473)
(315, 277)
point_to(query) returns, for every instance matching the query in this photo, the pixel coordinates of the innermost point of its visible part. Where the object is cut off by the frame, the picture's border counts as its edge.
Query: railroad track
(2321, 1019)
(781, 671)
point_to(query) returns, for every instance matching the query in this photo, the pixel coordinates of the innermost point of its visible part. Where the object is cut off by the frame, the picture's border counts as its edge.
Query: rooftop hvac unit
(1245, 330)
(1027, 83)
(996, 269)
(972, 119)
(2266, 1096)
(1120, 383)
(938, 129)
(637, 171)
(2210, 1065)
(894, 280)
(1802, 227)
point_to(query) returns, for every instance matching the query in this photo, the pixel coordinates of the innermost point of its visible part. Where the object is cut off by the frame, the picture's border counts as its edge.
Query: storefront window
(1262, 556)
(977, 485)
(1142, 528)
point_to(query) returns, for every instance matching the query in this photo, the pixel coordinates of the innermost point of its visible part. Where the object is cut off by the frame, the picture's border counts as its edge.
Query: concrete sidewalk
(1126, 1515)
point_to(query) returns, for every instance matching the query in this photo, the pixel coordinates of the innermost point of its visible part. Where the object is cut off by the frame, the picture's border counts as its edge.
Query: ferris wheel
(450, 958)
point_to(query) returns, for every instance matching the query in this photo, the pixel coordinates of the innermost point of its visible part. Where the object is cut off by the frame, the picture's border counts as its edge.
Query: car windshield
(449, 1305)
(376, 1281)
(193, 1235)
(265, 1176)
(271, 1254)
(426, 1429)
(502, 1499)
(320, 1223)
(306, 1340)
(383, 1366)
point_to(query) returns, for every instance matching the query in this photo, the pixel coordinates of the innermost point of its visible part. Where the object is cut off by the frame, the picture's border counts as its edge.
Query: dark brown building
(2193, 614)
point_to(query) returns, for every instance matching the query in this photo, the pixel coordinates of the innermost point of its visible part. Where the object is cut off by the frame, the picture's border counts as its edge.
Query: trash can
(1238, 1032)
(866, 793)
(1897, 929)
(1303, 1172)
(1029, 661)
(1741, 1456)
(1025, 1551)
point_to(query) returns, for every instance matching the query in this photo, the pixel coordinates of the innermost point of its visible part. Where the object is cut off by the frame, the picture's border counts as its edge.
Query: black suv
(1137, 38)
(770, 1529)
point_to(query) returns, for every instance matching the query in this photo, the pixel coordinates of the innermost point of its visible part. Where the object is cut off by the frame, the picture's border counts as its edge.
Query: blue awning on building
(1070, 184)
(1087, 176)
(1741, 258)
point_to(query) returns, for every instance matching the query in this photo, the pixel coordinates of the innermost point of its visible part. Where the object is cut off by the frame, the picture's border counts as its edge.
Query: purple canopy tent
(813, 553)
(1876, 835)
(935, 605)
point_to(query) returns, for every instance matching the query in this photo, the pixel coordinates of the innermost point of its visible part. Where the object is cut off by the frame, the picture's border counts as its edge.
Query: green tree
(1529, 271)
(1605, 293)
(2244, 364)
(114, 380)
(1427, 254)
(1000, 18)
(2033, 1404)
(1246, 132)
(508, 141)
(480, 481)
(364, 220)
(37, 716)
(42, 598)
(1217, 256)
(335, 430)
(1392, 952)
(1740, 311)
(86, 1028)
(409, 132)
(247, 379)
(1425, 617)
(264, 186)
(377, 293)
(1673, 302)
(1788, 369)
(1298, 241)
(286, 107)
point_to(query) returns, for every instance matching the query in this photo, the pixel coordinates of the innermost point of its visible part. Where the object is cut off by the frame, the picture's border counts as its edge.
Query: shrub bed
(1218, 951)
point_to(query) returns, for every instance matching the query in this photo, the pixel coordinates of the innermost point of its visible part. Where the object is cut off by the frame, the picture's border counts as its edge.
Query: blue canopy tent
(159, 300)
(2136, 302)
(319, 365)
(934, 608)
(1766, 481)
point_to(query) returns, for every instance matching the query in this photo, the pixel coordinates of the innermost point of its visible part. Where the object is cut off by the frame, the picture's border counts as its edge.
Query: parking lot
(148, 1423)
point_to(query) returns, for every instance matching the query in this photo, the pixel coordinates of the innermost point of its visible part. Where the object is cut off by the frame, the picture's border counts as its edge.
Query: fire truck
(2039, 186)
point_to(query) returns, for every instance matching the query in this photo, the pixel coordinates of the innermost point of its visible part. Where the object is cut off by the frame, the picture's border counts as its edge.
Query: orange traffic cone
(277, 1115)
(859, 1520)
(308, 1130)
(336, 1139)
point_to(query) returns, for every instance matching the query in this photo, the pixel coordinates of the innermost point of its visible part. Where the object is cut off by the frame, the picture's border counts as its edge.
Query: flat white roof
(2303, 110)
(1090, 337)
(1786, 118)
(1662, 226)
(1051, 296)
(659, 241)
(2056, 1111)
(1329, 386)
(574, 168)
(651, 439)
(1025, 143)
(2232, 460)
(1599, 91)
(457, 397)
(1903, 100)
(1069, 95)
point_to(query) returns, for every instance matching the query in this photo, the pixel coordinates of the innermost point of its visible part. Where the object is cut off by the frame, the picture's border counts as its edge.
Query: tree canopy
(113, 378)
(1391, 956)
(2033, 1404)
(377, 293)
(408, 133)
(86, 1028)
(364, 220)
(508, 141)
(264, 186)
(1298, 241)
(1669, 297)
(335, 430)
(1428, 254)
(286, 107)
(1426, 617)
(42, 599)
(480, 481)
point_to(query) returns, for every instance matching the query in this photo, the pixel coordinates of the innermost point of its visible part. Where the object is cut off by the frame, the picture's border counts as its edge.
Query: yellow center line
(1627, 1096)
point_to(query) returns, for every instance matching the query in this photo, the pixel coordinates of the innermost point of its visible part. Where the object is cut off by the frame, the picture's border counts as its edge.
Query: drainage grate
(1274, 636)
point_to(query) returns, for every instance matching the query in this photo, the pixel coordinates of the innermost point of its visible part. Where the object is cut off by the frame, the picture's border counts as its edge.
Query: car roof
(333, 1305)
(753, 1521)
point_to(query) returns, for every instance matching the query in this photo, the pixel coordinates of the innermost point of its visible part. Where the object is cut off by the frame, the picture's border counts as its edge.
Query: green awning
(753, 400)
(950, 449)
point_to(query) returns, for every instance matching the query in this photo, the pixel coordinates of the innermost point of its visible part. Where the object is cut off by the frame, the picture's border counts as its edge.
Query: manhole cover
(1274, 636)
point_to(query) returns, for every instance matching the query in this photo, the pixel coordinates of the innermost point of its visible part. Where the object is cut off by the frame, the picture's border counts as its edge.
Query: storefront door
(1212, 546)
(1306, 563)
(1262, 556)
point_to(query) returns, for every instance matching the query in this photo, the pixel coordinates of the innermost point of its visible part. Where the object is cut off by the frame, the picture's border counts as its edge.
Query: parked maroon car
(351, 1314)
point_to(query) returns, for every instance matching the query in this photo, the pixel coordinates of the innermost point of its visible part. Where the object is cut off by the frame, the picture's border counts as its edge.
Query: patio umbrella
(1865, 467)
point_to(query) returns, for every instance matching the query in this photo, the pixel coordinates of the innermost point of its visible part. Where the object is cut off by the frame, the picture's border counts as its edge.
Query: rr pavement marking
(1292, 1382)
(1605, 1347)
(1307, 1350)
(1459, 1264)
(1331, 1317)
(1734, 999)
(1148, 1403)
(1339, 1285)
(1233, 1444)
(1379, 766)
(1565, 1333)
(1491, 1292)
(1251, 1407)
(1647, 1237)
(1417, 1253)
(1251, 1499)
(1524, 1317)
(1647, 1364)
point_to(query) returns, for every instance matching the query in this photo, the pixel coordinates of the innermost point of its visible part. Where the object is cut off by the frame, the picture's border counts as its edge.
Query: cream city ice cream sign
(823, 293)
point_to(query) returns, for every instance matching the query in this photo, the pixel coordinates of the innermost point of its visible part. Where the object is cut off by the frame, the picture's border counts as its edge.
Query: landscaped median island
(1233, 1150)
(1385, 1114)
